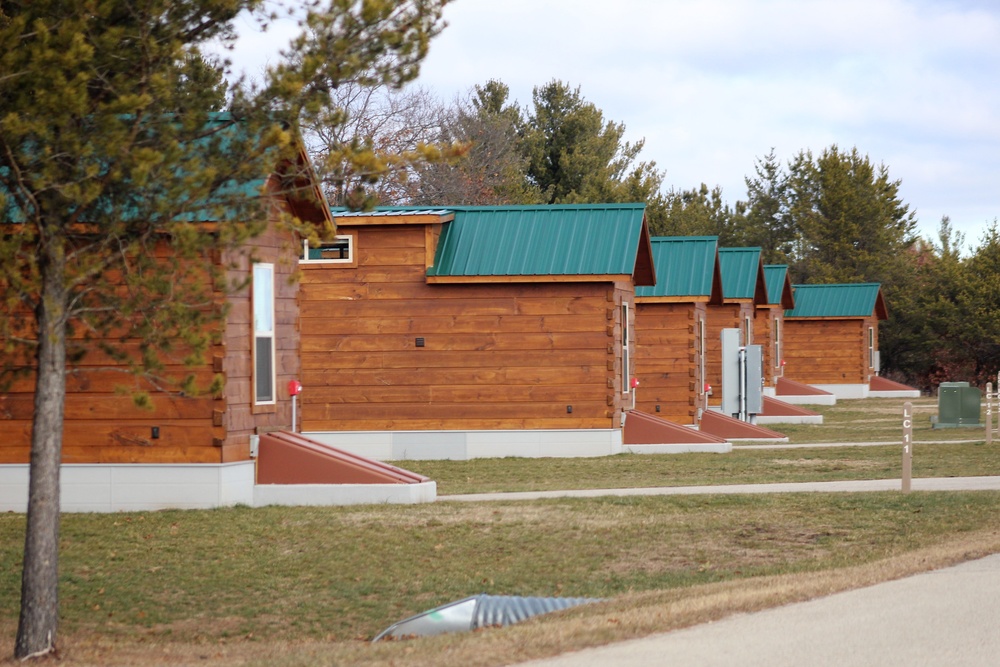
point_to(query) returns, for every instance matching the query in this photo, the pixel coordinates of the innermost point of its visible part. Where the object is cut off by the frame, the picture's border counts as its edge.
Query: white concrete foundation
(464, 445)
(344, 494)
(901, 393)
(809, 399)
(130, 487)
(844, 390)
(790, 419)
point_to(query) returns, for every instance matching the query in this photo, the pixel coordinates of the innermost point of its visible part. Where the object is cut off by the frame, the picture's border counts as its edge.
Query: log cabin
(465, 332)
(184, 450)
(769, 323)
(743, 289)
(671, 329)
(831, 337)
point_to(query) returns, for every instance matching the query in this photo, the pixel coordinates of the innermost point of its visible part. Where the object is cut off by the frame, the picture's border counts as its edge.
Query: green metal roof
(740, 272)
(685, 266)
(551, 240)
(838, 300)
(776, 276)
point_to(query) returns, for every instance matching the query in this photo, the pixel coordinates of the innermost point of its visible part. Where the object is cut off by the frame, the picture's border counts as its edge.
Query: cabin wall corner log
(768, 332)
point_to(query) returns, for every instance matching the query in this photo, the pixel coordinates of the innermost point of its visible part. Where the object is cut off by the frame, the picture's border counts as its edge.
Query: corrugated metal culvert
(477, 611)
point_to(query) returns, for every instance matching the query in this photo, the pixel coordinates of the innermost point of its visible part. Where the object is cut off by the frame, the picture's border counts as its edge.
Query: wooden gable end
(384, 349)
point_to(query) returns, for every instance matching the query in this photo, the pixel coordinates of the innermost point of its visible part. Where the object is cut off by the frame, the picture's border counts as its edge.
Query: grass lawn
(304, 586)
(937, 453)
(234, 584)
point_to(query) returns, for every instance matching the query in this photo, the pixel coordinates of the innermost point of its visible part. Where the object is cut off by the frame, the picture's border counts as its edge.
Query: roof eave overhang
(716, 293)
(787, 295)
(760, 286)
(881, 310)
(357, 220)
(548, 278)
(644, 271)
(700, 298)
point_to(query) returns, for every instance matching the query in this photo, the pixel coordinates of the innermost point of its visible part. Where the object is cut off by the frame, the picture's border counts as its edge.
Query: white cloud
(713, 84)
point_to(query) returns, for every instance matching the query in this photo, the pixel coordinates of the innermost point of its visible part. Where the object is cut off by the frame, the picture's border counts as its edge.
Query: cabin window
(264, 379)
(871, 347)
(626, 380)
(747, 332)
(338, 250)
(777, 343)
(701, 356)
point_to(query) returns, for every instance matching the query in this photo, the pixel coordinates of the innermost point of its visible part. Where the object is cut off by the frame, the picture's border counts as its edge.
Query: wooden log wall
(730, 315)
(668, 348)
(241, 418)
(828, 351)
(764, 333)
(495, 356)
(103, 425)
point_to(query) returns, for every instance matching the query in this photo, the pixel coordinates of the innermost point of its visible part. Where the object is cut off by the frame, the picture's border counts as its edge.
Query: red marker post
(907, 445)
(294, 389)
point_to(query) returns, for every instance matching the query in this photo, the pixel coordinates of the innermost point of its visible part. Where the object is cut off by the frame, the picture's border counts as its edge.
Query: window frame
(702, 371)
(871, 347)
(626, 351)
(350, 261)
(260, 300)
(777, 342)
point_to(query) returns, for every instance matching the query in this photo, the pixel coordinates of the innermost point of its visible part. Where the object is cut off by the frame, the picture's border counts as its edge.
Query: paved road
(922, 484)
(948, 617)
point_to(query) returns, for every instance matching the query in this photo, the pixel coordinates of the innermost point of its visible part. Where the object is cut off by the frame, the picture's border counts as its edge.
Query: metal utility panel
(755, 379)
(958, 405)
(730, 371)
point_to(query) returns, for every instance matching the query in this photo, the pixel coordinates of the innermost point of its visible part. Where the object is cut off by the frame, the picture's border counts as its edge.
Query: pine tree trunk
(36, 632)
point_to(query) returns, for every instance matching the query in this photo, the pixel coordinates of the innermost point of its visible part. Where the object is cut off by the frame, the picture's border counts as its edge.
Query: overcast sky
(711, 85)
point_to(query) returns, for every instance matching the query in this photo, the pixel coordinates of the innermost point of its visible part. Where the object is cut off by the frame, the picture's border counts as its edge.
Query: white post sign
(989, 412)
(907, 445)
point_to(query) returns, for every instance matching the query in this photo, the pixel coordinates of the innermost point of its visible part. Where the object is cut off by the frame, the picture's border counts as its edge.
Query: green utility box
(958, 406)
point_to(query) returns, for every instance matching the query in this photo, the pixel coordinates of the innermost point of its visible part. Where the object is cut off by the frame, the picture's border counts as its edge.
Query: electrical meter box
(958, 405)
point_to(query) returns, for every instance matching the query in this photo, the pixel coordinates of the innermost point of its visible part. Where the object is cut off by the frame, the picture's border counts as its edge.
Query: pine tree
(574, 156)
(108, 152)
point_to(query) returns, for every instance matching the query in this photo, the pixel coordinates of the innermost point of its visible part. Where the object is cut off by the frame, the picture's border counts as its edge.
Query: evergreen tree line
(832, 217)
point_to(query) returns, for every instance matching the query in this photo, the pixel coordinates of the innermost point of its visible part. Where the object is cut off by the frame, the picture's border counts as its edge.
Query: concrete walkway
(922, 484)
(944, 617)
(822, 445)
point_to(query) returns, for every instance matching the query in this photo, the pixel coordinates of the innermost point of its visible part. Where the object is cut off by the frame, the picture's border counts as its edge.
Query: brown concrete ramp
(782, 412)
(879, 387)
(775, 408)
(291, 458)
(645, 429)
(792, 388)
(879, 383)
(723, 426)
